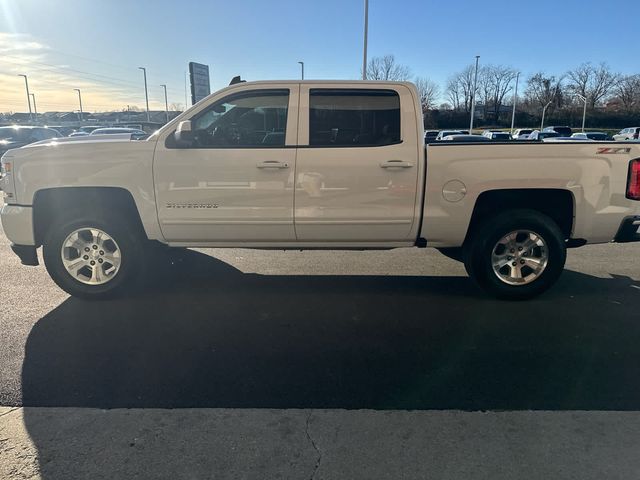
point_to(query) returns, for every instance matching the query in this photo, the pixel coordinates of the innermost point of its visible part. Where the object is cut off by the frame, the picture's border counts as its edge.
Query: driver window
(247, 119)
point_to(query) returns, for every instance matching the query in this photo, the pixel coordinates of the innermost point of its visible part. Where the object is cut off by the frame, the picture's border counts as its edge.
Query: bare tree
(498, 83)
(176, 107)
(592, 82)
(428, 92)
(627, 90)
(459, 89)
(386, 68)
(542, 89)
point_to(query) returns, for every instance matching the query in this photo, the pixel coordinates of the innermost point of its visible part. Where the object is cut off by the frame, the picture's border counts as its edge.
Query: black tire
(480, 247)
(129, 243)
(454, 253)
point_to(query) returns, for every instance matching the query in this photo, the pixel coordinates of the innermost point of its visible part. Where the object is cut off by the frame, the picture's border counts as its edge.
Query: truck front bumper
(629, 230)
(17, 223)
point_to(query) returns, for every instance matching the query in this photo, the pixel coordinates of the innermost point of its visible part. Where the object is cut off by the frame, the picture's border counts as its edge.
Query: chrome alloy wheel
(91, 256)
(519, 257)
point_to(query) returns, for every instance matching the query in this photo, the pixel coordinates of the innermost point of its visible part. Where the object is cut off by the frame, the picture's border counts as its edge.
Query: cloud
(19, 43)
(53, 82)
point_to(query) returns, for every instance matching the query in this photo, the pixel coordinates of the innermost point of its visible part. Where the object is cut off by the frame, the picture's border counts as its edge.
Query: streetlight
(515, 100)
(80, 100)
(302, 65)
(146, 93)
(166, 104)
(366, 32)
(35, 109)
(26, 83)
(473, 96)
(584, 112)
(544, 110)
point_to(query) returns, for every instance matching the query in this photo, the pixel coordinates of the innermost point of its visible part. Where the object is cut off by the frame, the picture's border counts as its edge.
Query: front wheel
(93, 258)
(517, 255)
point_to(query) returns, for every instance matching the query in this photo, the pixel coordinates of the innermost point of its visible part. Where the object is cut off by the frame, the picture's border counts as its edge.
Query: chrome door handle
(272, 164)
(396, 164)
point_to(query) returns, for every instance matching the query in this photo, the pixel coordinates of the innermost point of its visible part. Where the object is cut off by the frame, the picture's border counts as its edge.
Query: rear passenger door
(357, 164)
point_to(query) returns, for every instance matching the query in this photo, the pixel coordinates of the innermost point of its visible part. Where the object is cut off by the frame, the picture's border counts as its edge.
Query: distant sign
(200, 86)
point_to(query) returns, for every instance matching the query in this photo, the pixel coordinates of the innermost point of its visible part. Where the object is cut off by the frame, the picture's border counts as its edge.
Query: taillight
(633, 182)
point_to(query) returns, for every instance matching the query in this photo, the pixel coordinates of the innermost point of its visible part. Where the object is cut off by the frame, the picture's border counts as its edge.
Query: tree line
(612, 99)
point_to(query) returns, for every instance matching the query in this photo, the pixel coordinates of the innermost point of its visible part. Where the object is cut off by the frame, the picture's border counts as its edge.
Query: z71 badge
(613, 150)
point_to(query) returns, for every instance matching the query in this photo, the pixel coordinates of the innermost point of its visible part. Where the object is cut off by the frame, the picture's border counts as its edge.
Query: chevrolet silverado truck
(314, 165)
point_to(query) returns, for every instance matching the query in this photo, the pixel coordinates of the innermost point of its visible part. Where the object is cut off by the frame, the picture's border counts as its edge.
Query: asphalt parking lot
(402, 332)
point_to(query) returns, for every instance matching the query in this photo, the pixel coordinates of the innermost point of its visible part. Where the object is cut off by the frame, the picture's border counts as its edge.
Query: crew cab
(308, 165)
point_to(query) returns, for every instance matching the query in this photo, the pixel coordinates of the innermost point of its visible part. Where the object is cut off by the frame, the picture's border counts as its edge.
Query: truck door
(234, 180)
(357, 166)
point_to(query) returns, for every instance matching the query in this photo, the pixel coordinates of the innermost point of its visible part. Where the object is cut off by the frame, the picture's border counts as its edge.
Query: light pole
(166, 103)
(26, 84)
(35, 109)
(473, 96)
(302, 66)
(146, 93)
(544, 110)
(366, 33)
(186, 104)
(515, 100)
(80, 101)
(584, 112)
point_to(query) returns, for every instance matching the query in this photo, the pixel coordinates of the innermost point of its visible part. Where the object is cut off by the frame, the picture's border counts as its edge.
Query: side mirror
(183, 134)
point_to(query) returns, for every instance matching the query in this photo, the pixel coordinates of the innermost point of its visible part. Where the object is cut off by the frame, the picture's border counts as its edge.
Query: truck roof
(324, 82)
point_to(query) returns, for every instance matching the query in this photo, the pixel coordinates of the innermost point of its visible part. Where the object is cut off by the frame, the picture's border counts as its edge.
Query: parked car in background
(566, 139)
(522, 133)
(19, 136)
(88, 128)
(78, 134)
(135, 133)
(446, 133)
(631, 133)
(430, 135)
(564, 131)
(538, 135)
(465, 138)
(598, 136)
(61, 129)
(497, 135)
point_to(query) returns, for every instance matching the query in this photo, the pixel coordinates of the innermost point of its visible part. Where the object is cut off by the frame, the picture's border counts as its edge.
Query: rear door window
(353, 117)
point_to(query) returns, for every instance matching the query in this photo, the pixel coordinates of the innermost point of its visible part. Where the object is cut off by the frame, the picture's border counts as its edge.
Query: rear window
(353, 118)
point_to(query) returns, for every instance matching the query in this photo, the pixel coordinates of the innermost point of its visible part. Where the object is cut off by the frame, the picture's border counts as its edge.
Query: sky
(98, 45)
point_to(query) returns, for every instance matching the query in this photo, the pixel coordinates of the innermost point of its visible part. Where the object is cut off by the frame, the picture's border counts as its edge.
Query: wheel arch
(52, 204)
(558, 204)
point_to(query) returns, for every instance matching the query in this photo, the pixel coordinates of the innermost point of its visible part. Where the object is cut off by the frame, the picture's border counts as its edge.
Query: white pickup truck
(310, 165)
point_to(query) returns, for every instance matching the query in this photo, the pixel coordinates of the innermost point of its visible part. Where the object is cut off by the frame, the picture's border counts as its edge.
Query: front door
(234, 182)
(358, 164)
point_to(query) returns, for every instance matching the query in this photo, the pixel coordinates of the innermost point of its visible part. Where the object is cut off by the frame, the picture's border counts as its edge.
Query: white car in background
(446, 133)
(565, 139)
(596, 136)
(497, 135)
(631, 133)
(134, 132)
(522, 133)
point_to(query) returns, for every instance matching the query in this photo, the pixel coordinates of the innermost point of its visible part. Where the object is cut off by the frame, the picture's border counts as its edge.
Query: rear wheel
(93, 257)
(516, 255)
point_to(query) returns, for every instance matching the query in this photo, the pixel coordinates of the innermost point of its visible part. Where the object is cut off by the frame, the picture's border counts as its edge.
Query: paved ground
(237, 338)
